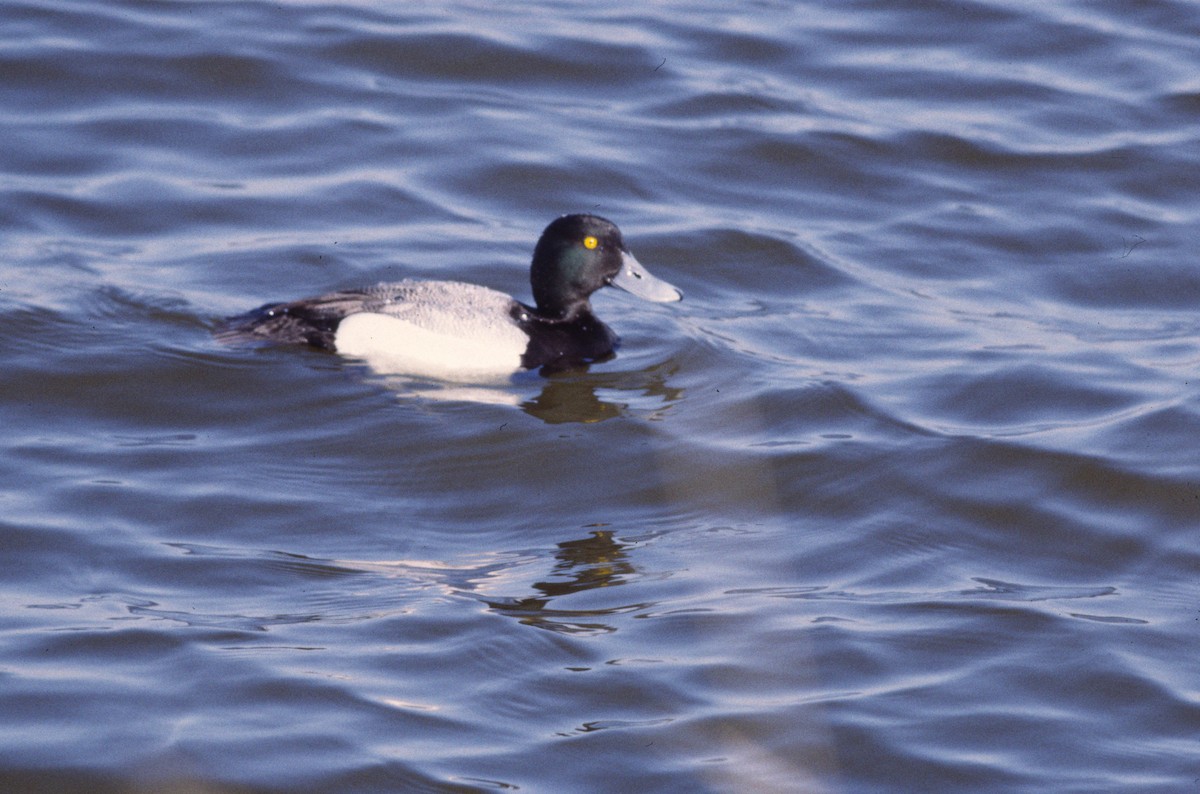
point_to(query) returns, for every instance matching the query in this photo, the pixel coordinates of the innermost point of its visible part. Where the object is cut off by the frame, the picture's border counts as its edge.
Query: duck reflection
(572, 396)
(595, 561)
(570, 401)
(575, 396)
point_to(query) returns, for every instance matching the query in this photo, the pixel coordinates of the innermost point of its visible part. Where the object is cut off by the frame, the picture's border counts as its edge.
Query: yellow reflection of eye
(590, 242)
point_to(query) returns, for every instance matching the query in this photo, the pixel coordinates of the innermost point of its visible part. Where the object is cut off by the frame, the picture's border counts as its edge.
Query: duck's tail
(301, 322)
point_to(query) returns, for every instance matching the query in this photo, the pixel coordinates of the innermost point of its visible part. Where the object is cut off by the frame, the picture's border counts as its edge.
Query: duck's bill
(635, 279)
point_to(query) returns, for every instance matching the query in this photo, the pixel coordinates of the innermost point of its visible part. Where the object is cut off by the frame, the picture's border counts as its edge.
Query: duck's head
(577, 255)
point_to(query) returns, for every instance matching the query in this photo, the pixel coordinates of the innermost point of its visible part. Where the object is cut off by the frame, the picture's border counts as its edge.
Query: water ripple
(904, 490)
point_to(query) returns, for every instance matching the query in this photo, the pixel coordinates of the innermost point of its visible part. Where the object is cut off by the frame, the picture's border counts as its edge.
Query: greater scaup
(455, 329)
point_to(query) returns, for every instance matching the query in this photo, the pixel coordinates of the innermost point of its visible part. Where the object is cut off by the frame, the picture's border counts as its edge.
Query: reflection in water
(575, 396)
(584, 564)
(570, 401)
(578, 396)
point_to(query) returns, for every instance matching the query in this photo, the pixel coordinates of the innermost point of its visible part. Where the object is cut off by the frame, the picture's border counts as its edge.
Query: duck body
(454, 329)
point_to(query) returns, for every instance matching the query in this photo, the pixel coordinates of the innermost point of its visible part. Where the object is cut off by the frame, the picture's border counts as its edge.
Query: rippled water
(903, 496)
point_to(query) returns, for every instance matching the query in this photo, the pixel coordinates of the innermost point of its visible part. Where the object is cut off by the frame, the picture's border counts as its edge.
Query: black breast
(563, 344)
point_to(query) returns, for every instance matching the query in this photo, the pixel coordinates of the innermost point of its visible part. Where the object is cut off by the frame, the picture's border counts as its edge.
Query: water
(903, 496)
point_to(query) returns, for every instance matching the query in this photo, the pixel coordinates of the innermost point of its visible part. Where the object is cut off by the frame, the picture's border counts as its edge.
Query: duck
(457, 330)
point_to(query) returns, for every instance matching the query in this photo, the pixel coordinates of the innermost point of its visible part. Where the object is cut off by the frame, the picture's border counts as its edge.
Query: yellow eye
(590, 242)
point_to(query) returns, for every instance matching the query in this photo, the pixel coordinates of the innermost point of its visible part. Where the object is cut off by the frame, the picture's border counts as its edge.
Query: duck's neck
(567, 313)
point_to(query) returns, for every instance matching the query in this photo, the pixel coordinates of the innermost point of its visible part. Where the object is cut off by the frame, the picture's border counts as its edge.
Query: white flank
(393, 346)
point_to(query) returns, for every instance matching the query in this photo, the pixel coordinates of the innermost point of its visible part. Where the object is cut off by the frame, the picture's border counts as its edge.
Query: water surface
(903, 496)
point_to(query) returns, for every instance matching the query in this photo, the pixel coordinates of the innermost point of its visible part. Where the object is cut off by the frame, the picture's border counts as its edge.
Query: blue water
(904, 496)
